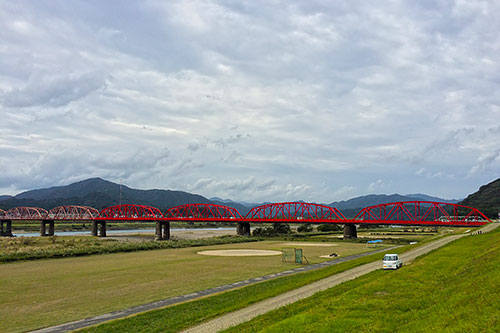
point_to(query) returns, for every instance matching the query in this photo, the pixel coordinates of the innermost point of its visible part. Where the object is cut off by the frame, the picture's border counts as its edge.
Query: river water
(114, 232)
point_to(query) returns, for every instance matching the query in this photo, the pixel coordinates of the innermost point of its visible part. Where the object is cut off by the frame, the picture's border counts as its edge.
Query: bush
(329, 227)
(305, 228)
(275, 230)
(282, 228)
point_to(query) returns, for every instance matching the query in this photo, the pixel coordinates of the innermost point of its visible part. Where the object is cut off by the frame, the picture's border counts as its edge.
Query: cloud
(267, 100)
(44, 90)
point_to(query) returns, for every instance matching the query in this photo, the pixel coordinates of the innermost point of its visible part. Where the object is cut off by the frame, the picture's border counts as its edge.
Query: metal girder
(130, 212)
(27, 213)
(295, 211)
(72, 212)
(422, 212)
(203, 211)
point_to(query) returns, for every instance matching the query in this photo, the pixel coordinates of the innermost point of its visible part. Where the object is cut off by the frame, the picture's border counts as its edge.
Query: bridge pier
(43, 228)
(98, 228)
(350, 231)
(243, 229)
(6, 228)
(162, 230)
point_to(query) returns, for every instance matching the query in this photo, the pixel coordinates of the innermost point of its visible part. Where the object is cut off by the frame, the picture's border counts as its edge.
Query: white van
(392, 261)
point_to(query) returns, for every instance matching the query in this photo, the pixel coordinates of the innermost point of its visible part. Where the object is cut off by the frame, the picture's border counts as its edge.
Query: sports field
(42, 293)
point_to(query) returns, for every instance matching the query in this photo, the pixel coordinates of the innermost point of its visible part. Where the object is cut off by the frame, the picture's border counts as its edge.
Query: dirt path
(245, 314)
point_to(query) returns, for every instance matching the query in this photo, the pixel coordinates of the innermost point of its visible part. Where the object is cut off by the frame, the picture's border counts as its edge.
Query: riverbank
(34, 248)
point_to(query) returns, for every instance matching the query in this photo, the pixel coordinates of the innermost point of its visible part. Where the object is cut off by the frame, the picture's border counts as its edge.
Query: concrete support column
(102, 229)
(165, 234)
(350, 231)
(43, 231)
(158, 230)
(43, 228)
(6, 228)
(243, 229)
(162, 230)
(94, 228)
(51, 228)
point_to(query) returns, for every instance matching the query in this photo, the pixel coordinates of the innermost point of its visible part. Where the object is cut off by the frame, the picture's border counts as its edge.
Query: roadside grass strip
(453, 289)
(185, 315)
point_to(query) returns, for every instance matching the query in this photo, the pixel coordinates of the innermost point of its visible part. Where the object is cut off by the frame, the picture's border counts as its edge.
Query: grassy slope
(48, 292)
(455, 289)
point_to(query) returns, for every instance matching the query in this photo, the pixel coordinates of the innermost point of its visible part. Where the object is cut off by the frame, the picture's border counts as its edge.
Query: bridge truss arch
(72, 212)
(295, 211)
(27, 213)
(422, 212)
(203, 211)
(129, 212)
(2, 213)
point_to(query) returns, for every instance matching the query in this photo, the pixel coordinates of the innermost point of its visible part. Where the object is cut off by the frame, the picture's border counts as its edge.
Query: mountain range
(100, 193)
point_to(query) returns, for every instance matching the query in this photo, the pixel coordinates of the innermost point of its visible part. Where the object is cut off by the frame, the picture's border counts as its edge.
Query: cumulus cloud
(267, 100)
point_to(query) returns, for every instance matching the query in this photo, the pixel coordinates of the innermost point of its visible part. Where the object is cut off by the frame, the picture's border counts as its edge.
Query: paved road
(243, 315)
(179, 299)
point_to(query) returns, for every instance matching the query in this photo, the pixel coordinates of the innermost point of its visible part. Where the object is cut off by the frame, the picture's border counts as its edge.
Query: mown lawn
(453, 289)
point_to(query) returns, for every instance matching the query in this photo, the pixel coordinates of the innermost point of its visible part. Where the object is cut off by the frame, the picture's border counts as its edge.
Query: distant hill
(426, 197)
(487, 199)
(5, 197)
(100, 193)
(226, 202)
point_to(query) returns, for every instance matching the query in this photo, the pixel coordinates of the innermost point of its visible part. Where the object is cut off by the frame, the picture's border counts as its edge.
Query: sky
(252, 100)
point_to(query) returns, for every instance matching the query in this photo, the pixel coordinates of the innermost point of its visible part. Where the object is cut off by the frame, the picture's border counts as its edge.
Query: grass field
(178, 317)
(453, 289)
(42, 293)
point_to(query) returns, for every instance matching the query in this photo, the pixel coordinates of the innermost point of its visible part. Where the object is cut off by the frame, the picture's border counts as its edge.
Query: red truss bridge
(397, 213)
(300, 212)
(69, 212)
(130, 213)
(204, 212)
(414, 213)
(426, 213)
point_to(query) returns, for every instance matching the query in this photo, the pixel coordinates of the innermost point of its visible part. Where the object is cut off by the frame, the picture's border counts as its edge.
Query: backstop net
(292, 254)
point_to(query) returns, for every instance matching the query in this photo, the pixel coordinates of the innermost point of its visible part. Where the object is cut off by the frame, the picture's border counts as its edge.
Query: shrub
(282, 228)
(305, 228)
(329, 227)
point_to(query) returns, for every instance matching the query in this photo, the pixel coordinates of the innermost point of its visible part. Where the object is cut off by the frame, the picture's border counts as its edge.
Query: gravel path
(245, 314)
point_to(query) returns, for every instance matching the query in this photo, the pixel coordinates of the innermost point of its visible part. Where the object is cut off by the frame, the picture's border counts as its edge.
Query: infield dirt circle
(239, 253)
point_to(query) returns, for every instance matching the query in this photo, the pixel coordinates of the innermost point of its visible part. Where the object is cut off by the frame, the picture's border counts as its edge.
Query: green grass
(453, 289)
(33, 248)
(34, 294)
(182, 316)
